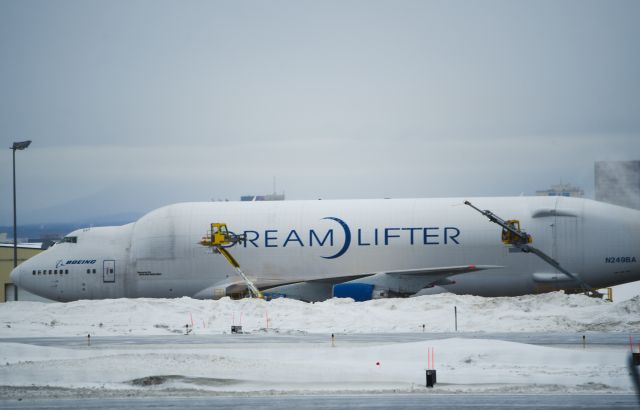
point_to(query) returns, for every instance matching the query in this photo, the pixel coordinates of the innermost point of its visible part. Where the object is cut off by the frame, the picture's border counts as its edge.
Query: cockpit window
(70, 239)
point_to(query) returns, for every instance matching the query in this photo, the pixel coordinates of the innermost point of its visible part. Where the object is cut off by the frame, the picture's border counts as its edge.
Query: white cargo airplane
(314, 250)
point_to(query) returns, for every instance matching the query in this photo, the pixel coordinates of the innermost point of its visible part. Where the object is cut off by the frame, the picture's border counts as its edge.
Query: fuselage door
(109, 271)
(568, 243)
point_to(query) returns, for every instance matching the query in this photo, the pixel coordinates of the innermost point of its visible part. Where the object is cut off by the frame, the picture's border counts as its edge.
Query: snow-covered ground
(551, 312)
(464, 365)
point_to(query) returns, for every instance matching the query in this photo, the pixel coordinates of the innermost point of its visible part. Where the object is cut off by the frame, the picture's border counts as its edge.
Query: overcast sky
(135, 104)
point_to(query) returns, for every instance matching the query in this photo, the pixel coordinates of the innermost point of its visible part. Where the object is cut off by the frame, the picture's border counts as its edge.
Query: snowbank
(463, 365)
(552, 312)
(287, 366)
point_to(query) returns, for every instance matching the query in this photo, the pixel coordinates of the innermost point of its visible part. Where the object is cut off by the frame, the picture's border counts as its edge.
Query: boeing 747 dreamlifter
(314, 250)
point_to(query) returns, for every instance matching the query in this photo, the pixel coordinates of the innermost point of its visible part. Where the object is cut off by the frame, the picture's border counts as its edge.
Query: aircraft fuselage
(297, 241)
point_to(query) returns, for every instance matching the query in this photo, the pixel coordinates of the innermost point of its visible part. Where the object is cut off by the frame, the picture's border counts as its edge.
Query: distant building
(618, 183)
(8, 290)
(268, 197)
(562, 190)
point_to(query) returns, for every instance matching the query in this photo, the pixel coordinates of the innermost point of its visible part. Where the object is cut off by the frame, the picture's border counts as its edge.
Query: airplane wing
(447, 270)
(403, 282)
(238, 285)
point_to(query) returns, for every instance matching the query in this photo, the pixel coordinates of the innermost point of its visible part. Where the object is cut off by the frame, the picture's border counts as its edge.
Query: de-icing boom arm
(521, 240)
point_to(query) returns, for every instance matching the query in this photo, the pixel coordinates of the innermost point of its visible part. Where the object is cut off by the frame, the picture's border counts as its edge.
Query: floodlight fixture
(21, 145)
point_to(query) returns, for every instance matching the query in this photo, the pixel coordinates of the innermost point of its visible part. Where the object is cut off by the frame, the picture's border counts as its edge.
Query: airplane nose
(15, 276)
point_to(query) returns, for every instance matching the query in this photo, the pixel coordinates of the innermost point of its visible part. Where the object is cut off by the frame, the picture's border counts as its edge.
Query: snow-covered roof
(24, 245)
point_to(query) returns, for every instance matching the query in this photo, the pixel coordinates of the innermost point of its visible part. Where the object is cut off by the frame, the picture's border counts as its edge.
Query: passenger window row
(58, 271)
(51, 271)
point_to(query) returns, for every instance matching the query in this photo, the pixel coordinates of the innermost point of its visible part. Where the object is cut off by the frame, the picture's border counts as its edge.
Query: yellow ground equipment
(511, 238)
(217, 238)
(520, 240)
(511, 233)
(220, 235)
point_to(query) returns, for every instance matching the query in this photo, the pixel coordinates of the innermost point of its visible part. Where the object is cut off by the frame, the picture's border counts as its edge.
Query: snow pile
(285, 365)
(463, 365)
(552, 312)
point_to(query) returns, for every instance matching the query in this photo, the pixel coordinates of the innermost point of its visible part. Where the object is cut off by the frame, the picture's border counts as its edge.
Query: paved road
(381, 401)
(546, 339)
(333, 402)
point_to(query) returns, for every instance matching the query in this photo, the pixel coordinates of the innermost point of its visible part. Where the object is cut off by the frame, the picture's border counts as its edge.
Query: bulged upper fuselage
(296, 241)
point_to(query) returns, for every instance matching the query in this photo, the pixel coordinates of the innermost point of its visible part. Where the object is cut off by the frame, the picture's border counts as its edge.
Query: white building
(562, 190)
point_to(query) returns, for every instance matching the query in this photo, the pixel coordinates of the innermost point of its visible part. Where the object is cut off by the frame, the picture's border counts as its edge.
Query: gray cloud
(142, 103)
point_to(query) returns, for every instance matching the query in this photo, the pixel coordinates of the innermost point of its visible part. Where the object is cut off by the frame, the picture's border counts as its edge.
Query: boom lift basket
(511, 238)
(219, 235)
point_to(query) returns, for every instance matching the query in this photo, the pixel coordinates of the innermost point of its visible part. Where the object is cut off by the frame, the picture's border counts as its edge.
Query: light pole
(16, 146)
